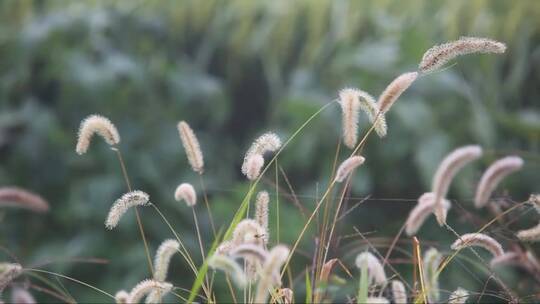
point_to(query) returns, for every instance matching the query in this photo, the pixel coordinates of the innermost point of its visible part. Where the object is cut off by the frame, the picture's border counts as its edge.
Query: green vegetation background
(234, 69)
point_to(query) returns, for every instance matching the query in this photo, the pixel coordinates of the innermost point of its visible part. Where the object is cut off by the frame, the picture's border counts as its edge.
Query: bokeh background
(233, 70)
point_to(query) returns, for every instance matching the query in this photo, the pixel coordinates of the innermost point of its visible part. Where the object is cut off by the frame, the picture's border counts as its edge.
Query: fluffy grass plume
(375, 269)
(121, 297)
(377, 300)
(191, 146)
(504, 259)
(123, 204)
(230, 267)
(348, 166)
(445, 173)
(350, 107)
(268, 142)
(398, 292)
(478, 240)
(254, 165)
(439, 55)
(270, 277)
(431, 261)
(96, 124)
(394, 90)
(530, 235)
(369, 106)
(493, 176)
(20, 198)
(8, 272)
(22, 296)
(249, 252)
(186, 192)
(248, 231)
(459, 296)
(422, 210)
(261, 213)
(163, 258)
(145, 287)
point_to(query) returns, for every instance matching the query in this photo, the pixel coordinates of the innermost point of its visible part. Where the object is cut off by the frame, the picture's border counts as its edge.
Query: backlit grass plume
(375, 269)
(249, 252)
(348, 166)
(261, 213)
(270, 277)
(422, 210)
(371, 108)
(230, 267)
(248, 231)
(398, 292)
(439, 55)
(478, 240)
(350, 106)
(459, 296)
(121, 297)
(96, 124)
(186, 192)
(145, 287)
(394, 90)
(504, 259)
(377, 300)
(191, 146)
(163, 257)
(8, 272)
(20, 198)
(268, 142)
(431, 261)
(123, 204)
(254, 165)
(532, 234)
(22, 296)
(493, 176)
(445, 173)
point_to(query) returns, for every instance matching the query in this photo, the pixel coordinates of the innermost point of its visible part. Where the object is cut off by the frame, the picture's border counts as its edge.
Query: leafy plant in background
(247, 240)
(50, 81)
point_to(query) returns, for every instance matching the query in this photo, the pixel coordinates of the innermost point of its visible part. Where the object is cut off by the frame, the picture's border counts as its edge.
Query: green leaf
(201, 274)
(308, 287)
(363, 290)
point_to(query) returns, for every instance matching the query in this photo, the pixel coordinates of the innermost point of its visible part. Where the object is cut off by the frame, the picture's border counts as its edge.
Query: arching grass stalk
(185, 253)
(245, 202)
(71, 279)
(139, 222)
(326, 193)
(205, 198)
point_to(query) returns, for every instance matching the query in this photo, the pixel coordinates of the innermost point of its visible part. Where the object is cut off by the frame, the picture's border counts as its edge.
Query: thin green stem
(205, 197)
(71, 279)
(139, 222)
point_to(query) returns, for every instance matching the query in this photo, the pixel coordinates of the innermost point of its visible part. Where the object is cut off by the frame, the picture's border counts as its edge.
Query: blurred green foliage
(234, 69)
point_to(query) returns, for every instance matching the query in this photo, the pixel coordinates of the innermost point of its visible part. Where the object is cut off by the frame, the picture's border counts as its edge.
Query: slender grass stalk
(185, 254)
(308, 288)
(326, 193)
(139, 222)
(199, 238)
(205, 198)
(277, 202)
(245, 203)
(418, 255)
(71, 279)
(363, 285)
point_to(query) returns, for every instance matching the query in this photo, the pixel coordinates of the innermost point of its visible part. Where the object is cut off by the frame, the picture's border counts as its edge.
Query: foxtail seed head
(191, 146)
(96, 124)
(187, 193)
(123, 204)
